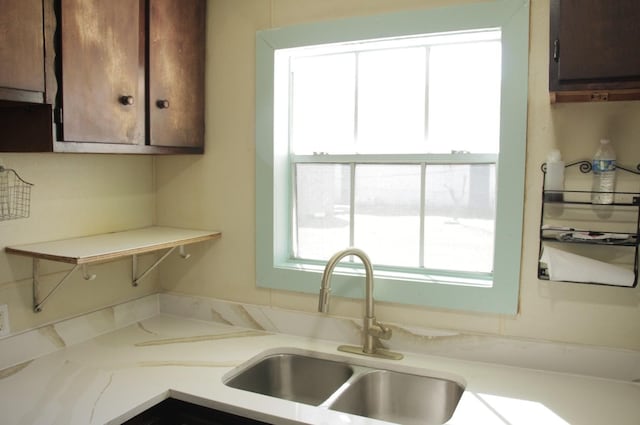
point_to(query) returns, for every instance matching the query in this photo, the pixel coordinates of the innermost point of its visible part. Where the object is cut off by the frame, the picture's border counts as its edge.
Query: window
(403, 135)
(352, 108)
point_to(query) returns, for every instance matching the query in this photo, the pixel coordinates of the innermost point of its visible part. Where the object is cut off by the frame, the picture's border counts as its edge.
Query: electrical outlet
(4, 320)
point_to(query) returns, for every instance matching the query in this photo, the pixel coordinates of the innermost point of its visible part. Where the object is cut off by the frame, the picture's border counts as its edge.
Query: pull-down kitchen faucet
(372, 330)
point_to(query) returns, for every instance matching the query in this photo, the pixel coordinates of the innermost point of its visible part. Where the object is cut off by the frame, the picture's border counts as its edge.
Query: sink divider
(358, 371)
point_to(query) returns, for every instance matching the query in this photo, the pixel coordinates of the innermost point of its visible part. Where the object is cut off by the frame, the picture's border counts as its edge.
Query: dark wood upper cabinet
(102, 65)
(115, 76)
(176, 72)
(21, 51)
(594, 52)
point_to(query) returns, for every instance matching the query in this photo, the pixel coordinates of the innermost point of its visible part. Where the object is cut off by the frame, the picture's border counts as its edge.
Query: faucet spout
(372, 330)
(325, 284)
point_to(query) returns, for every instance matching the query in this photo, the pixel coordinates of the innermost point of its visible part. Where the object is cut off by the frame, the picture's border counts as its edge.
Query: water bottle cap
(554, 156)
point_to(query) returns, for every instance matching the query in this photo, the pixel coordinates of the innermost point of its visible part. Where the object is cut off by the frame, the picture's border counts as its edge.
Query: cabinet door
(21, 46)
(176, 72)
(595, 44)
(103, 71)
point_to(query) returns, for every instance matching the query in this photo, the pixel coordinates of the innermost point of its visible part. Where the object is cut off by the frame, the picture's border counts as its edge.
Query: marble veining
(141, 326)
(5, 373)
(422, 337)
(200, 338)
(248, 318)
(171, 363)
(104, 389)
(217, 317)
(52, 335)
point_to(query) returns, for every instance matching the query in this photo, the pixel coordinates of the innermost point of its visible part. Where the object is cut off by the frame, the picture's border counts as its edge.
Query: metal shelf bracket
(183, 254)
(135, 279)
(86, 275)
(38, 301)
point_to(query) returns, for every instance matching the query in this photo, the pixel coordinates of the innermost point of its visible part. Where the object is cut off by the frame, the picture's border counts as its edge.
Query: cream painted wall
(75, 195)
(217, 190)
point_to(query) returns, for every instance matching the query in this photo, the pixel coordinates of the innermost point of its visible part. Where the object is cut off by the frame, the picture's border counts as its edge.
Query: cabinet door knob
(127, 100)
(162, 104)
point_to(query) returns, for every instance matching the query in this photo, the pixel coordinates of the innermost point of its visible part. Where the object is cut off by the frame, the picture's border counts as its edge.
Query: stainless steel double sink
(346, 386)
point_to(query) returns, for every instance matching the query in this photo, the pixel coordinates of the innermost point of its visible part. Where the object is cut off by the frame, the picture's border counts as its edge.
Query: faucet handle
(380, 331)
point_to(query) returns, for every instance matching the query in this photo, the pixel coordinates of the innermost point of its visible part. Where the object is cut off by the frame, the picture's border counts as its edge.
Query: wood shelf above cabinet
(108, 247)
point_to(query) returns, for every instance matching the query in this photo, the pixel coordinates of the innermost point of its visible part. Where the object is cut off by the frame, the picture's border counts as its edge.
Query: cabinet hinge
(599, 97)
(556, 50)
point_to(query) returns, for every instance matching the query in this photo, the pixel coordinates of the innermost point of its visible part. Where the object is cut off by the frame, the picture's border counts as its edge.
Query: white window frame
(275, 267)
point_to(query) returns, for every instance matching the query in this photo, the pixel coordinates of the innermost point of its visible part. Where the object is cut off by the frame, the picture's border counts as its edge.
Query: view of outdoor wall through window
(394, 146)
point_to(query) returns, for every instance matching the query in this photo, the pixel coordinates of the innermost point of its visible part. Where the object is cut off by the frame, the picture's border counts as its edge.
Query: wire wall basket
(15, 195)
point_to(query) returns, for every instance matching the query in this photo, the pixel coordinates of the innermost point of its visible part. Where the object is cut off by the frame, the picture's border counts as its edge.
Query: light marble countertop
(112, 377)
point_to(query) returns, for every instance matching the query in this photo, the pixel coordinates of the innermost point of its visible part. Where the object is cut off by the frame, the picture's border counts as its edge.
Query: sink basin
(345, 385)
(293, 377)
(400, 397)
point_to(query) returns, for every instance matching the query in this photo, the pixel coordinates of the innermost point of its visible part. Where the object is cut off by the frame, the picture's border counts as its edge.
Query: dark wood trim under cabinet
(25, 127)
(83, 147)
(594, 96)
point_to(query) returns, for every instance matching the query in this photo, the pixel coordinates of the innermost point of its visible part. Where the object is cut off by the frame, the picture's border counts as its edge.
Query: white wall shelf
(87, 250)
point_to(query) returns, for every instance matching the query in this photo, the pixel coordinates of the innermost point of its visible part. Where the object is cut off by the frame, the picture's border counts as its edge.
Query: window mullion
(352, 203)
(423, 165)
(457, 158)
(423, 200)
(356, 92)
(293, 226)
(352, 167)
(295, 241)
(290, 107)
(426, 94)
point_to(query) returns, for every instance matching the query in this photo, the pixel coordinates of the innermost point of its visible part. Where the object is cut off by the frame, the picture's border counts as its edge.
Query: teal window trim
(274, 267)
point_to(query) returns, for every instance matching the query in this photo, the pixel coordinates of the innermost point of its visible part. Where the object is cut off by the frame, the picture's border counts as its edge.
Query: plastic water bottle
(604, 174)
(554, 177)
